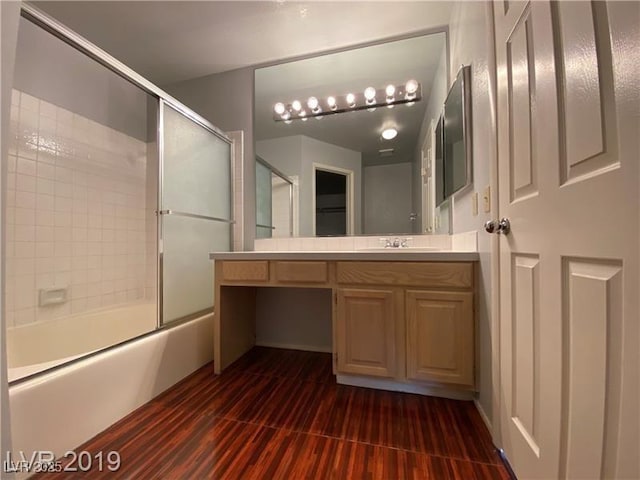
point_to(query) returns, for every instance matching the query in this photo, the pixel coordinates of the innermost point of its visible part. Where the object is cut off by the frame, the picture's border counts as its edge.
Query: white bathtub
(63, 408)
(36, 347)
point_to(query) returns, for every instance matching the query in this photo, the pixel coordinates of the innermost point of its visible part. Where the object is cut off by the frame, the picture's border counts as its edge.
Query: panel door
(440, 337)
(567, 80)
(366, 332)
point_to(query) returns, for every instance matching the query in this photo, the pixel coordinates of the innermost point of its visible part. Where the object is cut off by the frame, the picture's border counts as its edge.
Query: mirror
(383, 183)
(454, 156)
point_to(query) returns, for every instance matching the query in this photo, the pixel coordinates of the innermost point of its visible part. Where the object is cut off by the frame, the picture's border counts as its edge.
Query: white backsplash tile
(464, 242)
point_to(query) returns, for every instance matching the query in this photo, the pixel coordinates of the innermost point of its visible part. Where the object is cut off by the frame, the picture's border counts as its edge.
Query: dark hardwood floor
(278, 414)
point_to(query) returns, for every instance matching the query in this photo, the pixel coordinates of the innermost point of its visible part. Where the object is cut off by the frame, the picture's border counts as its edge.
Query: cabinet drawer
(254, 271)
(307, 272)
(422, 274)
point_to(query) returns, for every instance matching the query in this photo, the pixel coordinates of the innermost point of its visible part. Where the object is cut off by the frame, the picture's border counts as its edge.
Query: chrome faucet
(396, 243)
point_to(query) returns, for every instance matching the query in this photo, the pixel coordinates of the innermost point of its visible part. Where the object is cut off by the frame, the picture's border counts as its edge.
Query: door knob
(503, 226)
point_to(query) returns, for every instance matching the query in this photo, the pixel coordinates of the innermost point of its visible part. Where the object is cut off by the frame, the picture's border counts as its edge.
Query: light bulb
(389, 133)
(279, 108)
(351, 100)
(303, 115)
(331, 101)
(411, 86)
(370, 94)
(286, 115)
(312, 103)
(296, 105)
(390, 91)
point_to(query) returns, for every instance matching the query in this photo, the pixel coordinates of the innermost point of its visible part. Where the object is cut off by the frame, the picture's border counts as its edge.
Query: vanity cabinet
(366, 331)
(393, 320)
(389, 327)
(440, 336)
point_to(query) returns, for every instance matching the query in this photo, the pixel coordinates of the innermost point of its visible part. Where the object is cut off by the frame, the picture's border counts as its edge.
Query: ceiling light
(331, 101)
(286, 115)
(389, 133)
(296, 105)
(303, 115)
(279, 108)
(351, 100)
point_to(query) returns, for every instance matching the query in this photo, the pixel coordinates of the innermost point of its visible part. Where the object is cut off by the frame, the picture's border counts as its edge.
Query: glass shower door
(195, 209)
(264, 223)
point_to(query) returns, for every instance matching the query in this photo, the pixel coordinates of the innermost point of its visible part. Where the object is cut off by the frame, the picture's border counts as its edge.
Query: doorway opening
(332, 201)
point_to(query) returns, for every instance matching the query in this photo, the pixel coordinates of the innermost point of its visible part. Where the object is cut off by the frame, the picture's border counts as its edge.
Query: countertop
(357, 255)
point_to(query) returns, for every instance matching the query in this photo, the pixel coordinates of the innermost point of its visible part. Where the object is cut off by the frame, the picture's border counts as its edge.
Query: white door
(568, 103)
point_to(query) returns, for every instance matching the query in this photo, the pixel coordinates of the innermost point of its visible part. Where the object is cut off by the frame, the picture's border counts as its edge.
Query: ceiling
(352, 71)
(169, 42)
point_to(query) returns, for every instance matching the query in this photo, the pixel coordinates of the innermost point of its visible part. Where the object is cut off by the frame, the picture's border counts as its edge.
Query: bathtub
(60, 409)
(36, 347)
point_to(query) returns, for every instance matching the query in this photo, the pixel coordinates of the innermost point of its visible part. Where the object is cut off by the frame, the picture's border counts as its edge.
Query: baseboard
(484, 416)
(289, 346)
(396, 386)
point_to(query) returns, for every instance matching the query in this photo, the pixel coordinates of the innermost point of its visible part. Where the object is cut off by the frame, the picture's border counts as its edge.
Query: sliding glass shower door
(196, 213)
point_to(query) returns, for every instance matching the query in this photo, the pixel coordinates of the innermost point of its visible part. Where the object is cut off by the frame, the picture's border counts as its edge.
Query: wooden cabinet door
(440, 336)
(366, 332)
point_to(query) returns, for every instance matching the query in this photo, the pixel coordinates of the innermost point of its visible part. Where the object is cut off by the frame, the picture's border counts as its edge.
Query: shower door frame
(278, 173)
(51, 25)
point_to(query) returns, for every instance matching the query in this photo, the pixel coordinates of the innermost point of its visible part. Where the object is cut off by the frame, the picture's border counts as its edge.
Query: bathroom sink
(399, 249)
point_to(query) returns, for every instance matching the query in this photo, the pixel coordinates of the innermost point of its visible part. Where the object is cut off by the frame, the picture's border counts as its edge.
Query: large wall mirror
(346, 177)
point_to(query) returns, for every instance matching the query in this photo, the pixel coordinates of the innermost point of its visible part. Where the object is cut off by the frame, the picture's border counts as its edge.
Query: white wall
(387, 198)
(285, 319)
(295, 156)
(471, 43)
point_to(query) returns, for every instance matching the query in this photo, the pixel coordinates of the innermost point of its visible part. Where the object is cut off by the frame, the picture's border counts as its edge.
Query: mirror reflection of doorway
(331, 203)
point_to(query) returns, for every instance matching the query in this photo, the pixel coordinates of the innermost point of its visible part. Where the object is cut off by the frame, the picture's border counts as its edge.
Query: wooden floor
(278, 414)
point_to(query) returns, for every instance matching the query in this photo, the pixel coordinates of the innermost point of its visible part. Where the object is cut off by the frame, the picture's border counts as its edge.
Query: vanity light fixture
(370, 95)
(411, 88)
(369, 99)
(351, 100)
(390, 92)
(314, 105)
(389, 133)
(279, 108)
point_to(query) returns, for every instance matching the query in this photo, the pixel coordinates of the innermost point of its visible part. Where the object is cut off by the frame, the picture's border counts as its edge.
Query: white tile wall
(75, 212)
